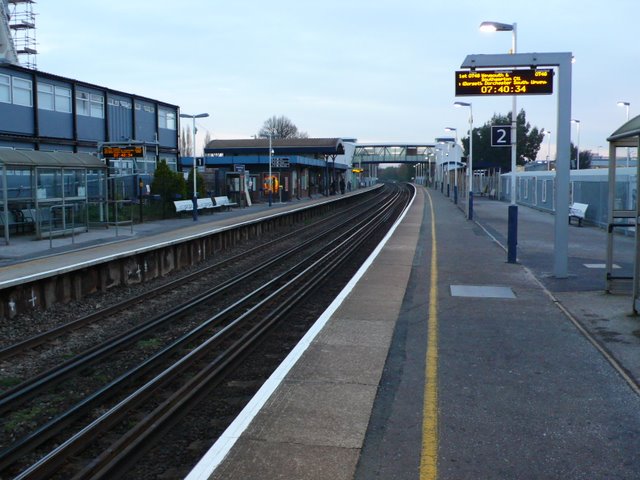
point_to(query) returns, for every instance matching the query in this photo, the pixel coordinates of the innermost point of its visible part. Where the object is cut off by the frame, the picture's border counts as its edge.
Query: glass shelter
(50, 193)
(623, 207)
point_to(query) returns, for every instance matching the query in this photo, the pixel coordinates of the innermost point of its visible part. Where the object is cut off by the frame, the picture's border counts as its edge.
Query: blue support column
(512, 235)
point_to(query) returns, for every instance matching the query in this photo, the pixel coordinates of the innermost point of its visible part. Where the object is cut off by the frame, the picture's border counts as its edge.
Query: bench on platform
(578, 211)
(224, 202)
(17, 220)
(187, 205)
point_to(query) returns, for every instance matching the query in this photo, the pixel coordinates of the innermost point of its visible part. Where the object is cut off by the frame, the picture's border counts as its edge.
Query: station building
(300, 167)
(52, 130)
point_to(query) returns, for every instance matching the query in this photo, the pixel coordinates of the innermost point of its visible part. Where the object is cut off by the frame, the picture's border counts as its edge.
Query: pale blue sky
(378, 71)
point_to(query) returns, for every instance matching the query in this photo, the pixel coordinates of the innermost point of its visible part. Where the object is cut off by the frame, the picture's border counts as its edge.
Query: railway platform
(25, 248)
(444, 361)
(438, 360)
(40, 273)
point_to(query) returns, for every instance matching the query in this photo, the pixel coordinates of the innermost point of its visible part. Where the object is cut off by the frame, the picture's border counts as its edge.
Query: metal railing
(64, 222)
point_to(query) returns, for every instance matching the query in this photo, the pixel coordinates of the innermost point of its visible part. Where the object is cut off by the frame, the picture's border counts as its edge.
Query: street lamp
(470, 161)
(270, 177)
(195, 191)
(577, 123)
(626, 105)
(455, 172)
(548, 132)
(512, 232)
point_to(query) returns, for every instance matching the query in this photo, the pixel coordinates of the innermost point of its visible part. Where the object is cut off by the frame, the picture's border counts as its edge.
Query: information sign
(500, 135)
(504, 82)
(280, 162)
(122, 151)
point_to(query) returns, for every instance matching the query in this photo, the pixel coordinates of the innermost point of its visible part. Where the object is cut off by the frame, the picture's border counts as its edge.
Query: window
(82, 103)
(74, 183)
(90, 105)
(63, 99)
(45, 96)
(54, 98)
(167, 119)
(22, 92)
(5, 88)
(97, 106)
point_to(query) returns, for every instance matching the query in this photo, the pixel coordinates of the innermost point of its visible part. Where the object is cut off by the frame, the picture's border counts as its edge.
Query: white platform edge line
(219, 450)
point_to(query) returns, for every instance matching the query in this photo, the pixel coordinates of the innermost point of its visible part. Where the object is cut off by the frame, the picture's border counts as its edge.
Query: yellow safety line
(429, 454)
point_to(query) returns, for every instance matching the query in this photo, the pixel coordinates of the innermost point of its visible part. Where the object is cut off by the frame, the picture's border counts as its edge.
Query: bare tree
(185, 142)
(281, 127)
(207, 139)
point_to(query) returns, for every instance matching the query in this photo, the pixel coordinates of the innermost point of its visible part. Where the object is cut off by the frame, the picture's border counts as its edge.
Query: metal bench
(20, 220)
(578, 211)
(224, 202)
(187, 205)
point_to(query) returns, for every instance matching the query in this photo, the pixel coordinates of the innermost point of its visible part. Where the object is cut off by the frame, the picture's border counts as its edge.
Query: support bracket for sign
(562, 61)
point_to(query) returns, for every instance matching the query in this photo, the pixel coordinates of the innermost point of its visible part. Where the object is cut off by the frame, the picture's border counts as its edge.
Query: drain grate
(481, 291)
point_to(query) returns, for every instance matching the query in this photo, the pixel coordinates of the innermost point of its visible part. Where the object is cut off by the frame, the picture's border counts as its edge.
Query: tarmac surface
(536, 377)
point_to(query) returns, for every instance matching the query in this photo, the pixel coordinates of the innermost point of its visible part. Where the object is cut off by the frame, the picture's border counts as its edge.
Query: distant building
(46, 112)
(299, 166)
(52, 133)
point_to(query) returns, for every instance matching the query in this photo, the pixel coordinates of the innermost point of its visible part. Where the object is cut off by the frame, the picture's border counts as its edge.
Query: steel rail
(36, 340)
(8, 455)
(22, 392)
(334, 256)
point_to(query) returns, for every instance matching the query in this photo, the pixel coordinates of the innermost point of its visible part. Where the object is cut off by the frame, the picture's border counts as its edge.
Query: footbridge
(377, 153)
(433, 161)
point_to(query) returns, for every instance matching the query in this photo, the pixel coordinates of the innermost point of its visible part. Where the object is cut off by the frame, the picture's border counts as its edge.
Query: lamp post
(195, 191)
(470, 161)
(455, 172)
(577, 123)
(512, 235)
(270, 183)
(548, 132)
(626, 105)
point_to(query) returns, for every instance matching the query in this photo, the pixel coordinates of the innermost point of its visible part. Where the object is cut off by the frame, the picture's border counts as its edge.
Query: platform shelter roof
(280, 146)
(33, 158)
(627, 134)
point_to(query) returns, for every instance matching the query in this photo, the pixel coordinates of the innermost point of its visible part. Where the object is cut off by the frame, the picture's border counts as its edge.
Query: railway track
(158, 388)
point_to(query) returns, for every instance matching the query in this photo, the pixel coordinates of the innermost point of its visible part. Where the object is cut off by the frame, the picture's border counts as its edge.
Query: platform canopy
(627, 135)
(280, 146)
(33, 158)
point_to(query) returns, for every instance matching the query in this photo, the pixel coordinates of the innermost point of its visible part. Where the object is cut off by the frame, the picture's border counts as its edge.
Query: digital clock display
(131, 151)
(504, 82)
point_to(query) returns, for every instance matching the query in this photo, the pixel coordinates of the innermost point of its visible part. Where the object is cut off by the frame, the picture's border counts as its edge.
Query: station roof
(628, 131)
(35, 158)
(280, 146)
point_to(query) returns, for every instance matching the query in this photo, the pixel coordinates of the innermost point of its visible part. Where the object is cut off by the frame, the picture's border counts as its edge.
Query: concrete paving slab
(340, 364)
(287, 461)
(356, 332)
(609, 318)
(339, 420)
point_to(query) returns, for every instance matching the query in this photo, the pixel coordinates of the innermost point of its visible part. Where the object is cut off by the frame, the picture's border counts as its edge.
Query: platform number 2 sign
(500, 135)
